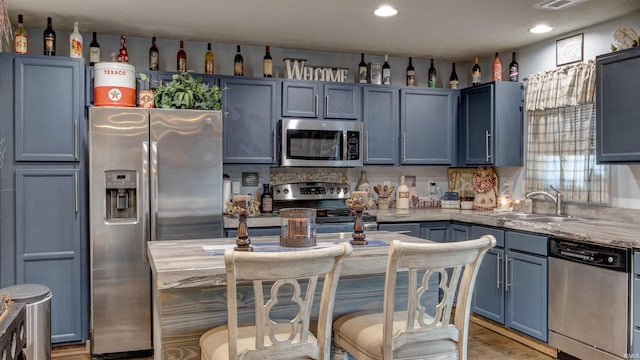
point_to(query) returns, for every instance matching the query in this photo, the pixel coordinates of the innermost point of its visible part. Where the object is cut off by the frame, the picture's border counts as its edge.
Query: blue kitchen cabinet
(381, 118)
(435, 231)
(43, 209)
(249, 108)
(491, 125)
(617, 111)
(511, 285)
(411, 229)
(635, 306)
(427, 126)
(459, 232)
(311, 99)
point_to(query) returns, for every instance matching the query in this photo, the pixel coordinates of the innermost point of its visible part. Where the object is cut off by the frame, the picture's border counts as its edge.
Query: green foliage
(187, 92)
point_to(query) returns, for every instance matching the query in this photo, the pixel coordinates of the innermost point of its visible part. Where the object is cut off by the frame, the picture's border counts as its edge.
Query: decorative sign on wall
(297, 69)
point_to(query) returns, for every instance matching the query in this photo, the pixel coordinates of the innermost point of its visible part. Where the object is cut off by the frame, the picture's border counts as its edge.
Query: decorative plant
(187, 92)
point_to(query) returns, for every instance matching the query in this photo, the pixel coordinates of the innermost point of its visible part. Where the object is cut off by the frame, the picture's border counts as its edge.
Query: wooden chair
(412, 333)
(277, 273)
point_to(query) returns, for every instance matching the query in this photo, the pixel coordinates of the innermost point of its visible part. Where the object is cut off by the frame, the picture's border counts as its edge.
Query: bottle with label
(513, 68)
(267, 63)
(411, 74)
(154, 55)
(453, 79)
(21, 38)
(49, 37)
(208, 60)
(238, 66)
(94, 50)
(496, 69)
(386, 71)
(476, 74)
(402, 195)
(363, 183)
(362, 70)
(181, 58)
(432, 76)
(123, 55)
(75, 42)
(266, 199)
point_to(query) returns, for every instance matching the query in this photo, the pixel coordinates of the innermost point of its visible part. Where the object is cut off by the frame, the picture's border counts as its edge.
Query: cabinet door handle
(316, 108)
(75, 139)
(486, 144)
(275, 150)
(404, 146)
(499, 267)
(506, 272)
(366, 144)
(145, 196)
(326, 105)
(76, 191)
(154, 190)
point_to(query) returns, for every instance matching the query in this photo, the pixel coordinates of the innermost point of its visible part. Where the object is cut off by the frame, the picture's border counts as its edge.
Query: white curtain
(560, 108)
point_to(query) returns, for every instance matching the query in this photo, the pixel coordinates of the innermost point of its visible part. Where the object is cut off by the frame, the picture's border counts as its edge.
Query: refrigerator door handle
(145, 194)
(154, 190)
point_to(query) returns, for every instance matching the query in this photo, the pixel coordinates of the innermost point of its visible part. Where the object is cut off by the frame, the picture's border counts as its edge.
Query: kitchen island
(189, 287)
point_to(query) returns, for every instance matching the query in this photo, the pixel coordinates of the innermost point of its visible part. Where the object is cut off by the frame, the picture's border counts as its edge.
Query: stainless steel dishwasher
(588, 300)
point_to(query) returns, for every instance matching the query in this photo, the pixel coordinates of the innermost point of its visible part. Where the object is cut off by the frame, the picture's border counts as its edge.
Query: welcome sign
(297, 69)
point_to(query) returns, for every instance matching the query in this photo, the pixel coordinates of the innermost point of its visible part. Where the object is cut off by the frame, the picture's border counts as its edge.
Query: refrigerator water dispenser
(121, 195)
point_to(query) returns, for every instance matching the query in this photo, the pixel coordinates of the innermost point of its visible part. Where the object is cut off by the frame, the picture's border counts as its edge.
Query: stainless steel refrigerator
(154, 175)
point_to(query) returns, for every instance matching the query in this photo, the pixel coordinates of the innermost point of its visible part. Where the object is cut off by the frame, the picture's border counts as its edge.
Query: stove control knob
(346, 190)
(285, 191)
(331, 190)
(278, 191)
(610, 259)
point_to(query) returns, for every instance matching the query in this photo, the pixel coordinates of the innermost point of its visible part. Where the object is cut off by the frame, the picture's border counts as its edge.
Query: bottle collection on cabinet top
(411, 74)
(154, 55)
(238, 63)
(362, 70)
(94, 50)
(513, 68)
(208, 60)
(75, 42)
(386, 71)
(49, 38)
(432, 76)
(21, 38)
(496, 69)
(181, 58)
(453, 78)
(476, 74)
(123, 55)
(267, 63)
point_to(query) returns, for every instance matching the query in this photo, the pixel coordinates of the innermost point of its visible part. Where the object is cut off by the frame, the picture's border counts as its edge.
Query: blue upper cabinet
(48, 107)
(249, 108)
(491, 125)
(310, 99)
(617, 112)
(381, 118)
(427, 126)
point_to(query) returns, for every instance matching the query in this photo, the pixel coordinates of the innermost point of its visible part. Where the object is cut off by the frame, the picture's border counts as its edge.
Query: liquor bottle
(362, 70)
(21, 38)
(266, 200)
(411, 74)
(123, 55)
(208, 60)
(75, 42)
(402, 195)
(513, 68)
(453, 79)
(432, 76)
(386, 71)
(49, 39)
(496, 69)
(363, 183)
(94, 50)
(154, 55)
(238, 66)
(267, 64)
(181, 58)
(476, 74)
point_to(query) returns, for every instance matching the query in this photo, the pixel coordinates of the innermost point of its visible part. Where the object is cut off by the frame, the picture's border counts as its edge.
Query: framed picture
(569, 50)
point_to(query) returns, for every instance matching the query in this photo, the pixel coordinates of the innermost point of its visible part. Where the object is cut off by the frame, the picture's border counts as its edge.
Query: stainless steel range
(328, 199)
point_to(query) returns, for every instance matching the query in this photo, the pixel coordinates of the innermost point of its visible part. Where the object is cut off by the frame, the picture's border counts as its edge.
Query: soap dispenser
(402, 195)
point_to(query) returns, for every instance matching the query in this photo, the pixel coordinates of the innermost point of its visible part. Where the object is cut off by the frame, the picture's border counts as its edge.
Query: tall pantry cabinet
(42, 166)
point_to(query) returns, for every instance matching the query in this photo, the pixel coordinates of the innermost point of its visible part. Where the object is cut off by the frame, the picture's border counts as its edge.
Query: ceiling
(442, 29)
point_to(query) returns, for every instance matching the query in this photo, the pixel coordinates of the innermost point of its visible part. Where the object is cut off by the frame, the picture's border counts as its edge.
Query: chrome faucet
(558, 199)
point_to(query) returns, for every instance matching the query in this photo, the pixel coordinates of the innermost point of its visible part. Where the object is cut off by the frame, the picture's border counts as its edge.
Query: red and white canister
(114, 84)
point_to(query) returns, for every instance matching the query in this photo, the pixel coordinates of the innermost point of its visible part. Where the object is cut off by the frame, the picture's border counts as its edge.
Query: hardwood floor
(484, 344)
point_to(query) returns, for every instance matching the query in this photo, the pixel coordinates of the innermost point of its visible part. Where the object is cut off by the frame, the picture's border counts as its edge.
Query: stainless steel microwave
(320, 143)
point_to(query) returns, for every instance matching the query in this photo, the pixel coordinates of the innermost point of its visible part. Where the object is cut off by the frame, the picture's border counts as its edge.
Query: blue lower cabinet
(411, 229)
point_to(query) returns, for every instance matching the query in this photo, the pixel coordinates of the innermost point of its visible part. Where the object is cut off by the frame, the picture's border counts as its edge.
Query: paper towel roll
(235, 187)
(226, 191)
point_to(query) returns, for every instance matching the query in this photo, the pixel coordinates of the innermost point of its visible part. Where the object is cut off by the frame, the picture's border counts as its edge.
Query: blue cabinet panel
(411, 229)
(459, 232)
(381, 125)
(341, 101)
(436, 231)
(488, 295)
(310, 99)
(299, 99)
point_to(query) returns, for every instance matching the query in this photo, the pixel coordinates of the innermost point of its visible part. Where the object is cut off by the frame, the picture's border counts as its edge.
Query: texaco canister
(114, 84)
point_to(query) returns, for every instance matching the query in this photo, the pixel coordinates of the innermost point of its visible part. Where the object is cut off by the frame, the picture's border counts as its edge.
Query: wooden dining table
(189, 287)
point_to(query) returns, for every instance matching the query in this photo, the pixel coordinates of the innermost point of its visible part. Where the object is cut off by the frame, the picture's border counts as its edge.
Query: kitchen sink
(537, 217)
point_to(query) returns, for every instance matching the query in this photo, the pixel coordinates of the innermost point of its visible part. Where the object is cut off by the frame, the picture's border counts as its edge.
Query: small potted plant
(187, 92)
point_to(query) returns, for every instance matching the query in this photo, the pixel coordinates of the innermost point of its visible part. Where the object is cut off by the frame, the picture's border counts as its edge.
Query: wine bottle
(154, 55)
(238, 66)
(21, 38)
(402, 195)
(513, 68)
(267, 64)
(75, 42)
(123, 55)
(266, 199)
(181, 58)
(386, 71)
(362, 70)
(94, 50)
(411, 74)
(476, 74)
(432, 76)
(453, 79)
(496, 69)
(208, 60)
(49, 39)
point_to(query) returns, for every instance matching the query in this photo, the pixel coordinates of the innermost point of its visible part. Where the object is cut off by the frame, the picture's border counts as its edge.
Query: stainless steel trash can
(37, 298)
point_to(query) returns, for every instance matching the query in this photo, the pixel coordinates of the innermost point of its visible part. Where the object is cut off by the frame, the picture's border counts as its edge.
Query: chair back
(285, 276)
(457, 265)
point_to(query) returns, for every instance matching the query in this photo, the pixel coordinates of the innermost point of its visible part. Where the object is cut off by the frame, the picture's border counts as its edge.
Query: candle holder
(357, 204)
(298, 227)
(240, 207)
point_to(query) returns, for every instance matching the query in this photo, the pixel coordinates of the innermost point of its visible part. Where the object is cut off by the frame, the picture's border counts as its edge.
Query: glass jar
(297, 227)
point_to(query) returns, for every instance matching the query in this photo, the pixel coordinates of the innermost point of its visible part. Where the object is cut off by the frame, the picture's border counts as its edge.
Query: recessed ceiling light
(539, 29)
(385, 10)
